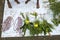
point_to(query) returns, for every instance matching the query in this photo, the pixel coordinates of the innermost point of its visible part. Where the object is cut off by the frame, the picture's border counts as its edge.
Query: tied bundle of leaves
(33, 27)
(26, 23)
(55, 7)
(36, 27)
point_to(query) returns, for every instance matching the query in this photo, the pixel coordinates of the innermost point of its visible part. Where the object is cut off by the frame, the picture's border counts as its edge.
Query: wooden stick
(9, 5)
(27, 1)
(17, 1)
(37, 4)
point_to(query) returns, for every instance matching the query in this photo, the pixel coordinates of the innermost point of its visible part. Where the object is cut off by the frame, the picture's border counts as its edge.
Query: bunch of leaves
(43, 27)
(46, 27)
(51, 1)
(55, 7)
(33, 27)
(37, 27)
(26, 23)
(56, 21)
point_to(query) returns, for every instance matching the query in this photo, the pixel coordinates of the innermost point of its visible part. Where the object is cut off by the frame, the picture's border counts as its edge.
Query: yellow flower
(27, 21)
(35, 25)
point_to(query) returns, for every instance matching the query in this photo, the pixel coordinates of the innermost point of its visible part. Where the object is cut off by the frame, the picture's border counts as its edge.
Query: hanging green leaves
(55, 7)
(36, 27)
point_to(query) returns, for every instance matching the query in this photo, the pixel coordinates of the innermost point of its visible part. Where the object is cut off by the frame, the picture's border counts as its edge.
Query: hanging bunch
(37, 27)
(43, 26)
(27, 23)
(55, 7)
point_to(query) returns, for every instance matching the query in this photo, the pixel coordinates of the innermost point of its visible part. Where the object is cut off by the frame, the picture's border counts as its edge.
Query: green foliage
(34, 14)
(22, 15)
(52, 1)
(56, 21)
(55, 7)
(37, 27)
(46, 27)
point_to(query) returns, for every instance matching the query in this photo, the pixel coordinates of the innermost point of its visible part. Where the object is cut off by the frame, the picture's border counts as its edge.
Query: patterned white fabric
(26, 8)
